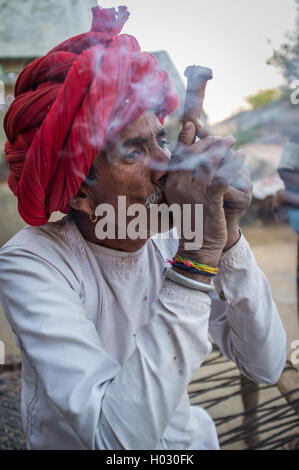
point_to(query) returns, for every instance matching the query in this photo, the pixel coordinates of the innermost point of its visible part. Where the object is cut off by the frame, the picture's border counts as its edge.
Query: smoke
(108, 100)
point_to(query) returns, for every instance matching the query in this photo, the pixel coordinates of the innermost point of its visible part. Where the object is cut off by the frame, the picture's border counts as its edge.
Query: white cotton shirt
(109, 345)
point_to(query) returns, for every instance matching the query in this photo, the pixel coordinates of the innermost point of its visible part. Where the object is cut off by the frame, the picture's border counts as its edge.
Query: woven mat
(11, 432)
(272, 424)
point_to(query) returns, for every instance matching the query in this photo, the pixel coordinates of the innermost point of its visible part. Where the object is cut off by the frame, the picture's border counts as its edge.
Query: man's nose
(159, 164)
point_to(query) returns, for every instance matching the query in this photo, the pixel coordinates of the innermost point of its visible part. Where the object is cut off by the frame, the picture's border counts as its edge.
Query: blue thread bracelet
(191, 270)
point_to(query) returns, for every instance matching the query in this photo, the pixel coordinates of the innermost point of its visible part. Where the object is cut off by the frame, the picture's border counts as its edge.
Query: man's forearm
(252, 334)
(291, 198)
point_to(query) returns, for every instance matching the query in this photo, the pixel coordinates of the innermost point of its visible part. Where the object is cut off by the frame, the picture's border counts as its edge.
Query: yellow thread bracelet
(194, 264)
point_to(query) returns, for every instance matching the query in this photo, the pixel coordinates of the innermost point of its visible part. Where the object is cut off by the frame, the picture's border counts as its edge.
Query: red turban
(69, 103)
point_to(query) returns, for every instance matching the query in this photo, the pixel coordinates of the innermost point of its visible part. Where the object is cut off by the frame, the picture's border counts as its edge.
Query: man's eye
(163, 143)
(132, 155)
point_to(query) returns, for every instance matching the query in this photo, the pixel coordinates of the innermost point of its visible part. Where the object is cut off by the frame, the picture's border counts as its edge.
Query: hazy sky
(230, 36)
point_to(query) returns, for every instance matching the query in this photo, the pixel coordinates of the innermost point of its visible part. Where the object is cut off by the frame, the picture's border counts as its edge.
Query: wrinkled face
(133, 165)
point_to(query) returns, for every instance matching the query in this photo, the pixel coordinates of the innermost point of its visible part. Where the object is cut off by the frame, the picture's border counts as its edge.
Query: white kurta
(109, 346)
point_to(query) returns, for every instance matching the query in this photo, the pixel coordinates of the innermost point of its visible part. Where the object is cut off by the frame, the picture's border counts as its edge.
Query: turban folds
(69, 103)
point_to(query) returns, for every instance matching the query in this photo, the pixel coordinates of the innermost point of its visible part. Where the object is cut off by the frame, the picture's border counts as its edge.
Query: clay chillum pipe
(198, 78)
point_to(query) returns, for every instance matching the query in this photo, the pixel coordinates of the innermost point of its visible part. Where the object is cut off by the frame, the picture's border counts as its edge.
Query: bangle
(187, 282)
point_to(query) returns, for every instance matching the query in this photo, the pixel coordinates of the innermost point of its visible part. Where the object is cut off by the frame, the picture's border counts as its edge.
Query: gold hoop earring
(93, 218)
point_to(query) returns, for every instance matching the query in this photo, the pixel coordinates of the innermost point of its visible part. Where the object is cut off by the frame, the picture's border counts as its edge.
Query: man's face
(132, 165)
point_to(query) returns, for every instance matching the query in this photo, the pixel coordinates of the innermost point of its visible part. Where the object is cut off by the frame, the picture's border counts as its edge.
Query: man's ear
(82, 201)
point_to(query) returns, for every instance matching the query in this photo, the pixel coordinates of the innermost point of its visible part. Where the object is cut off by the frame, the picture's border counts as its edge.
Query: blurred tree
(286, 58)
(263, 97)
(244, 136)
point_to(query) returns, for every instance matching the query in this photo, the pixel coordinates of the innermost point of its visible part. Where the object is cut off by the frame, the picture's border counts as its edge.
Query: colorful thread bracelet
(191, 270)
(194, 264)
(196, 267)
(187, 262)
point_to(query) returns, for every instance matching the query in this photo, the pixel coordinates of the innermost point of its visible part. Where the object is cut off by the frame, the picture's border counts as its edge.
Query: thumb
(217, 188)
(188, 134)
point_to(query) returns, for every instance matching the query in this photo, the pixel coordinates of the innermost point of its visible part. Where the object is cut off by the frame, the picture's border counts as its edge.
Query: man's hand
(200, 173)
(282, 200)
(285, 198)
(237, 199)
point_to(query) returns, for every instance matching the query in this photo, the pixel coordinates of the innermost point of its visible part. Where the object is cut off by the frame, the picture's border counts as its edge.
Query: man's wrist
(194, 276)
(232, 239)
(203, 256)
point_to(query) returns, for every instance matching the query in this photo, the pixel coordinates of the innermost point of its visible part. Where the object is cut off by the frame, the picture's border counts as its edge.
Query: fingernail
(200, 123)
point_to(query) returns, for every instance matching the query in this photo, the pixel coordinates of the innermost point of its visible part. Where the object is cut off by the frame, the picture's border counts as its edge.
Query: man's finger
(188, 134)
(210, 160)
(242, 182)
(188, 158)
(237, 199)
(233, 162)
(215, 147)
(229, 141)
(201, 130)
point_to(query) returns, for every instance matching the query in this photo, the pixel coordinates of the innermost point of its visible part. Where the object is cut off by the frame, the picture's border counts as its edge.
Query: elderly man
(288, 199)
(111, 337)
(286, 202)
